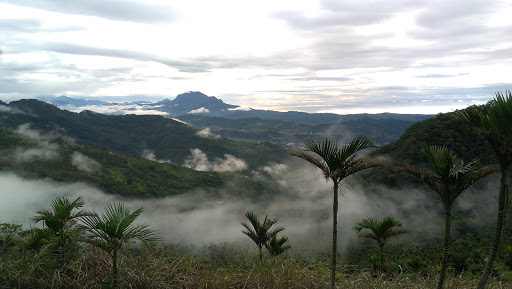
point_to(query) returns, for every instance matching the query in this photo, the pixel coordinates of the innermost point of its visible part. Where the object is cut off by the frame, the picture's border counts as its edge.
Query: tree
(381, 231)
(114, 229)
(260, 233)
(496, 127)
(337, 163)
(61, 220)
(449, 178)
(276, 247)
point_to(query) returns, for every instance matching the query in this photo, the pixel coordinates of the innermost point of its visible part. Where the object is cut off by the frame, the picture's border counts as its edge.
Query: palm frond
(116, 226)
(380, 230)
(361, 142)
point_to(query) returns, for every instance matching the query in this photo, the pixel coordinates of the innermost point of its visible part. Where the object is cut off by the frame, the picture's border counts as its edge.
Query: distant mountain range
(197, 103)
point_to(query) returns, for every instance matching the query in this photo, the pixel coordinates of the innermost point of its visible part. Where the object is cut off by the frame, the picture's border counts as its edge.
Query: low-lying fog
(305, 211)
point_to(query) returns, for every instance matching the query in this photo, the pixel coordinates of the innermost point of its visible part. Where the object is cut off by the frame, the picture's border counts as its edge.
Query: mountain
(192, 102)
(136, 135)
(313, 118)
(65, 100)
(197, 103)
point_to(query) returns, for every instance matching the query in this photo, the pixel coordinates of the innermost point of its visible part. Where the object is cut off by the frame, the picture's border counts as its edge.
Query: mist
(199, 161)
(305, 210)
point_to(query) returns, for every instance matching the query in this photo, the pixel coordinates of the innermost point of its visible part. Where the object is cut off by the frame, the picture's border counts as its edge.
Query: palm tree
(449, 178)
(276, 247)
(260, 233)
(61, 219)
(496, 128)
(115, 228)
(337, 163)
(380, 231)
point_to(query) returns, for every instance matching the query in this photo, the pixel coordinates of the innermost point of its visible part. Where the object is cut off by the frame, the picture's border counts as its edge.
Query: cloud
(7, 109)
(85, 163)
(331, 54)
(199, 162)
(200, 110)
(207, 133)
(150, 155)
(241, 108)
(43, 149)
(130, 10)
(117, 109)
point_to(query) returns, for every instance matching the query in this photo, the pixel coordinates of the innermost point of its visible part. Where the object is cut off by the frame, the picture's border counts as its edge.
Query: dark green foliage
(276, 247)
(260, 233)
(380, 231)
(114, 229)
(495, 125)
(443, 130)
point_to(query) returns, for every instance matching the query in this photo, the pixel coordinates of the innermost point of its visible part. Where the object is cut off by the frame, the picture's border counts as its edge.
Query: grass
(165, 268)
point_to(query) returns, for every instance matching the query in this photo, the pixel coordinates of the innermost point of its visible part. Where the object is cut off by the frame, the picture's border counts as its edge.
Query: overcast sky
(315, 56)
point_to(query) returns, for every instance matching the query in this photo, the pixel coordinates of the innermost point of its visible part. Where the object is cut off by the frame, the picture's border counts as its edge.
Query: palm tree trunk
(444, 260)
(334, 235)
(381, 258)
(114, 269)
(502, 205)
(261, 254)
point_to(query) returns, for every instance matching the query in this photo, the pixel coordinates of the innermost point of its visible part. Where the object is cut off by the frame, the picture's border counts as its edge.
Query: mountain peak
(194, 101)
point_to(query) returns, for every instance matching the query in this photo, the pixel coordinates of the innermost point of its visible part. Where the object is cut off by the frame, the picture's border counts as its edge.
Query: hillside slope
(136, 134)
(56, 157)
(444, 129)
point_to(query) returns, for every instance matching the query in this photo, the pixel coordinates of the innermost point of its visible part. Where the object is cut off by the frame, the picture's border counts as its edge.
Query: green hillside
(132, 134)
(444, 129)
(115, 172)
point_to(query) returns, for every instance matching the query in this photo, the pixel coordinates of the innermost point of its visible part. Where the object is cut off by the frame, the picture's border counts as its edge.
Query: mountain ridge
(195, 102)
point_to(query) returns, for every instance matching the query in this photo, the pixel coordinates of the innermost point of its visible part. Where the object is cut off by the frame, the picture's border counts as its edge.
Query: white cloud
(6, 109)
(207, 133)
(150, 155)
(200, 110)
(198, 161)
(85, 163)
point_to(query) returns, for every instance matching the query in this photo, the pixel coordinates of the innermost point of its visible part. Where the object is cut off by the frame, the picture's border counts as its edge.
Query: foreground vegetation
(222, 268)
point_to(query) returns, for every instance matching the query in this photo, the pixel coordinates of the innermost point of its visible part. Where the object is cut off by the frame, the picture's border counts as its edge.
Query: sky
(314, 56)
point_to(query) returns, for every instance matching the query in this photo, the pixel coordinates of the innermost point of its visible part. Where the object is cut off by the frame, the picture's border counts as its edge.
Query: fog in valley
(305, 210)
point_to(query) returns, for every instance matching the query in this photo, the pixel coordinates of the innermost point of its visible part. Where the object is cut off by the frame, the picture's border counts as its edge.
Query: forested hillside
(59, 159)
(133, 134)
(443, 130)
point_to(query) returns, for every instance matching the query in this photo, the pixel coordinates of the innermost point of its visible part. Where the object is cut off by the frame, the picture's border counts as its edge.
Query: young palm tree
(496, 128)
(61, 219)
(260, 233)
(337, 163)
(380, 231)
(449, 178)
(115, 228)
(276, 247)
